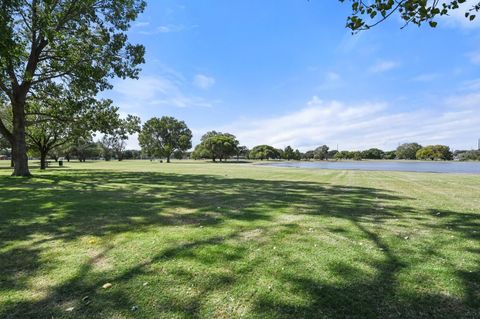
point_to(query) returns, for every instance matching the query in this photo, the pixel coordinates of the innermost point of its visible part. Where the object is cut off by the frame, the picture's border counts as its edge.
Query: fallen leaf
(107, 285)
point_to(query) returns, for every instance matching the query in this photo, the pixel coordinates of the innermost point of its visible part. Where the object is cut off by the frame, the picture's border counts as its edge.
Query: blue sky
(287, 72)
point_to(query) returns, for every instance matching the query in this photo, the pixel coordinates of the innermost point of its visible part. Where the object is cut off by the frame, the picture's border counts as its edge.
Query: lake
(401, 166)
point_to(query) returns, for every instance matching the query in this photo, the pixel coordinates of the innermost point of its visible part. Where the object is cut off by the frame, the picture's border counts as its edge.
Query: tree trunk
(43, 160)
(19, 153)
(168, 159)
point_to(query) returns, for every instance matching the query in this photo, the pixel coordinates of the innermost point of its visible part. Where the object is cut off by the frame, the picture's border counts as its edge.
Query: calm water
(401, 166)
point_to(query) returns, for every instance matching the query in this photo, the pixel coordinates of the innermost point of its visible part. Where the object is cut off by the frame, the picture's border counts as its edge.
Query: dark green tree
(163, 136)
(220, 145)
(242, 151)
(390, 155)
(262, 152)
(408, 151)
(288, 153)
(308, 155)
(81, 43)
(321, 152)
(373, 153)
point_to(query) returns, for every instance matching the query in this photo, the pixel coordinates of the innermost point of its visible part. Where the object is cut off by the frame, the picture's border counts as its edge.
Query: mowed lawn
(204, 240)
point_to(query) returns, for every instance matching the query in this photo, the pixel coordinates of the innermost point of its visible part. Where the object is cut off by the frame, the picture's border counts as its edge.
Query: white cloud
(362, 125)
(426, 77)
(155, 91)
(383, 66)
(141, 24)
(474, 57)
(203, 81)
(168, 28)
(333, 76)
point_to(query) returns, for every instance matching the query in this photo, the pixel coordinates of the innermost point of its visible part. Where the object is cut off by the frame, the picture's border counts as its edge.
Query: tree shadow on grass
(97, 203)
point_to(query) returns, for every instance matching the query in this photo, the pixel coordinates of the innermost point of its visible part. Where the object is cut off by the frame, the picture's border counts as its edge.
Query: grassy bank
(186, 240)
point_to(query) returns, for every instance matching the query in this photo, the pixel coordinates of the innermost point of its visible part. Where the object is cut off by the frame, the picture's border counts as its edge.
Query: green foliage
(4, 143)
(435, 152)
(298, 155)
(288, 153)
(82, 44)
(200, 152)
(308, 155)
(390, 155)
(473, 155)
(161, 137)
(366, 14)
(219, 145)
(242, 151)
(132, 154)
(321, 152)
(262, 152)
(408, 151)
(373, 153)
(84, 148)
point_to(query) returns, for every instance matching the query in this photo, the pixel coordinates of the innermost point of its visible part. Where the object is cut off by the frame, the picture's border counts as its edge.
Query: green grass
(202, 240)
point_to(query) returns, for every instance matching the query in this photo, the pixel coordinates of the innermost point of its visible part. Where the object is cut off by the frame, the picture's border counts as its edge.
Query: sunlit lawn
(189, 240)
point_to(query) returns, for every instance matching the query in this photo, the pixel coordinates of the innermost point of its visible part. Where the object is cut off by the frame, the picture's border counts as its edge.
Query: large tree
(163, 136)
(367, 14)
(82, 43)
(220, 145)
(59, 116)
(262, 152)
(216, 145)
(408, 151)
(321, 152)
(434, 153)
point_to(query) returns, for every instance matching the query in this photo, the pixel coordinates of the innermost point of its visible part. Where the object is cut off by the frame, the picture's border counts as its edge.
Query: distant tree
(242, 151)
(367, 14)
(85, 148)
(343, 155)
(373, 153)
(106, 145)
(4, 144)
(163, 136)
(200, 152)
(332, 153)
(356, 155)
(297, 155)
(408, 151)
(119, 145)
(220, 145)
(262, 152)
(435, 152)
(469, 155)
(117, 138)
(321, 152)
(178, 154)
(390, 155)
(308, 155)
(132, 154)
(288, 153)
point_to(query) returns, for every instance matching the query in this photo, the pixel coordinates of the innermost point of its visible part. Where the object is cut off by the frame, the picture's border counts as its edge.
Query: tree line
(167, 137)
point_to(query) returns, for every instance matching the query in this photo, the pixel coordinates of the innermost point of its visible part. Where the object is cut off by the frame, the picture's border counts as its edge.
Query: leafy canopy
(163, 136)
(367, 14)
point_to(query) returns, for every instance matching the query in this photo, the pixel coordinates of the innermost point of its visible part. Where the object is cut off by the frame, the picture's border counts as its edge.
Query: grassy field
(204, 240)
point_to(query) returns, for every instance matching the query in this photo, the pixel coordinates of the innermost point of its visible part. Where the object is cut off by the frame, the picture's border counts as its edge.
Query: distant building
(3, 157)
